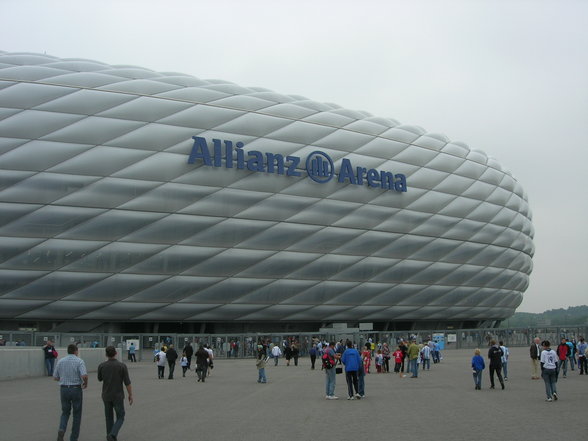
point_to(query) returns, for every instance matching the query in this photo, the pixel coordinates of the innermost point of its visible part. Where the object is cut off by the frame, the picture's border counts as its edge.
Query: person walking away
(171, 356)
(504, 359)
(313, 353)
(549, 361)
(582, 354)
(113, 374)
(495, 355)
(563, 351)
(160, 359)
(202, 357)
(189, 350)
(184, 364)
(276, 353)
(295, 352)
(352, 361)
(426, 357)
(73, 377)
(50, 356)
(210, 359)
(535, 351)
(329, 359)
(478, 366)
(131, 353)
(260, 364)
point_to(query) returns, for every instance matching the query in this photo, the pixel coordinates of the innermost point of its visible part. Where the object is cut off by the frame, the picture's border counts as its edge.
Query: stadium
(132, 198)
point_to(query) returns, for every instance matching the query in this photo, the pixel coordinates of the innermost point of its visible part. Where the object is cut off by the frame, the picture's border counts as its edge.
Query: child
(260, 364)
(366, 356)
(477, 367)
(184, 364)
(398, 356)
(379, 361)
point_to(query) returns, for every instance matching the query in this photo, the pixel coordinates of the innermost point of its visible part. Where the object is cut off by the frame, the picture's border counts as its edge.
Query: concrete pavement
(440, 405)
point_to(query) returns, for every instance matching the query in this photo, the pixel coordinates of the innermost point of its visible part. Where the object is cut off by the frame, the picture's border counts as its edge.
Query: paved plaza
(440, 405)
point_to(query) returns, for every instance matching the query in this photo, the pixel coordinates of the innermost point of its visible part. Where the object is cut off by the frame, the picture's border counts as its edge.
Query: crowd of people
(546, 363)
(334, 358)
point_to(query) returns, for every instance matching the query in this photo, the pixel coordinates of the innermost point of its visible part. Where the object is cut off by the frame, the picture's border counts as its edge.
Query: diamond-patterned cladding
(102, 218)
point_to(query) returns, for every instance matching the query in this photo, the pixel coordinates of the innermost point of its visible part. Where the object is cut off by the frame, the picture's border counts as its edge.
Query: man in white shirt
(549, 360)
(73, 377)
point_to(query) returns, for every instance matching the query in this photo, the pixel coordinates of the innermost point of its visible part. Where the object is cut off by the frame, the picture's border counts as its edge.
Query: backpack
(328, 362)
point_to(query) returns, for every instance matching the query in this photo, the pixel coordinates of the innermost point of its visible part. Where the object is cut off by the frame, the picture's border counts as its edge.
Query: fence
(244, 345)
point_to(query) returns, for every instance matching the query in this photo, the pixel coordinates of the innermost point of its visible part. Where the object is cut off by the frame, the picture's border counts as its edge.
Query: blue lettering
(346, 172)
(200, 151)
(256, 162)
(372, 178)
(400, 183)
(387, 180)
(292, 166)
(240, 155)
(275, 161)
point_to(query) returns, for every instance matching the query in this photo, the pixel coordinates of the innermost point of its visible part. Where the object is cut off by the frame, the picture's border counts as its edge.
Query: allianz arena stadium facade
(132, 197)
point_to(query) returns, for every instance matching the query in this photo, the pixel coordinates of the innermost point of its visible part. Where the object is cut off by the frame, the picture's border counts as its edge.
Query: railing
(245, 345)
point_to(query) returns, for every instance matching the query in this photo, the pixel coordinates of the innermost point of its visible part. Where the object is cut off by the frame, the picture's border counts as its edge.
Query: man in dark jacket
(495, 356)
(171, 356)
(189, 351)
(202, 357)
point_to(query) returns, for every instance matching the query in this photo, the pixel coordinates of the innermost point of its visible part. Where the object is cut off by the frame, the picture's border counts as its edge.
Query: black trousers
(351, 377)
(496, 369)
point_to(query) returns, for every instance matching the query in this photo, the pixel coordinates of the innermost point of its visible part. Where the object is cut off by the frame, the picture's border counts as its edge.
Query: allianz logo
(318, 165)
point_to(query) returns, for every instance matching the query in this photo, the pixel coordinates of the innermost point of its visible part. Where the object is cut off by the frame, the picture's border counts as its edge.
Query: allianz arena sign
(318, 165)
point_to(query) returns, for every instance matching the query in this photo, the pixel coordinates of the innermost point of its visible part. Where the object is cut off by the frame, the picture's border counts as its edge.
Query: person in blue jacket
(478, 366)
(352, 362)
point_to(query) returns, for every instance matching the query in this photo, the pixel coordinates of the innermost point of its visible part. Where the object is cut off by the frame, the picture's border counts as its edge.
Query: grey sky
(506, 77)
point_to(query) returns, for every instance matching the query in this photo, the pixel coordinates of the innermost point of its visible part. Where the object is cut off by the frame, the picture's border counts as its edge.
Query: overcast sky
(506, 77)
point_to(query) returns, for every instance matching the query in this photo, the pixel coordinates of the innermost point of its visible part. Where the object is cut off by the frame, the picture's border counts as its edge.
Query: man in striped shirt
(73, 377)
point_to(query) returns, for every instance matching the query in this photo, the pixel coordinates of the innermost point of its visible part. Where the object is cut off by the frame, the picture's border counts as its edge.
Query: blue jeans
(361, 381)
(414, 367)
(505, 369)
(71, 398)
(49, 363)
(261, 378)
(572, 361)
(331, 381)
(426, 364)
(550, 379)
(478, 378)
(110, 407)
(563, 364)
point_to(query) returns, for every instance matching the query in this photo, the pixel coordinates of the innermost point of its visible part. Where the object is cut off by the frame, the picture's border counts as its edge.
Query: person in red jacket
(562, 353)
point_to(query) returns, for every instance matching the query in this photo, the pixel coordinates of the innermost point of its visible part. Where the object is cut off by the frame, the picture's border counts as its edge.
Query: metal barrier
(245, 345)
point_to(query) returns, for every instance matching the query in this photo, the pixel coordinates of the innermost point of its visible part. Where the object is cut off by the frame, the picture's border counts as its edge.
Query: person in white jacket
(276, 352)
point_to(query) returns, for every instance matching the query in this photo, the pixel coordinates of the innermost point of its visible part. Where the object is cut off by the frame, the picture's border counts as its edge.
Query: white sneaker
(549, 399)
(328, 397)
(358, 396)
(332, 397)
(351, 398)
